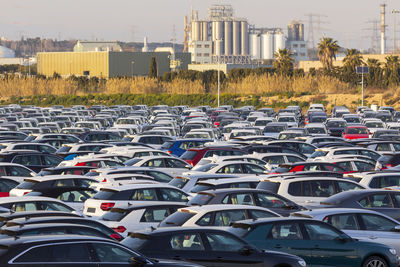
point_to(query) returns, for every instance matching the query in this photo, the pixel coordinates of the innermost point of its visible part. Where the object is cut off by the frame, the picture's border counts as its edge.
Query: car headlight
(393, 251)
(303, 263)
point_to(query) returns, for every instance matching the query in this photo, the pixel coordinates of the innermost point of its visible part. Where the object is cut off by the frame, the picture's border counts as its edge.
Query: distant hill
(31, 46)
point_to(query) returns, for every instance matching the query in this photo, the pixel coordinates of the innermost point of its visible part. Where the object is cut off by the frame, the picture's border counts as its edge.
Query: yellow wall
(74, 63)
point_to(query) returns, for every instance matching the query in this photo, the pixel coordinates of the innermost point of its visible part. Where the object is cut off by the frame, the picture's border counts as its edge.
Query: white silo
(236, 38)
(267, 45)
(219, 35)
(244, 38)
(196, 30)
(228, 37)
(205, 30)
(254, 43)
(279, 43)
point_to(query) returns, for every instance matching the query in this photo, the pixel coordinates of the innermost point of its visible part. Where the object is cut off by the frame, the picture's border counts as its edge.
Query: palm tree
(352, 59)
(327, 49)
(374, 76)
(392, 70)
(283, 62)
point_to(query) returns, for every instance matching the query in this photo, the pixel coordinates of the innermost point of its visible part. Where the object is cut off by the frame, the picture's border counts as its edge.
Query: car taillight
(26, 193)
(106, 206)
(117, 237)
(104, 180)
(169, 152)
(80, 164)
(119, 229)
(389, 165)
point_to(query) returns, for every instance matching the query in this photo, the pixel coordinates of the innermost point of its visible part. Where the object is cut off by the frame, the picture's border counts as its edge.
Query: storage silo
(236, 38)
(254, 43)
(279, 43)
(205, 30)
(219, 35)
(228, 37)
(244, 38)
(267, 45)
(196, 29)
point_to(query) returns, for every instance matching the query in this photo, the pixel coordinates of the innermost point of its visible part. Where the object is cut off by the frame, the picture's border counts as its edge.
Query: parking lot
(199, 186)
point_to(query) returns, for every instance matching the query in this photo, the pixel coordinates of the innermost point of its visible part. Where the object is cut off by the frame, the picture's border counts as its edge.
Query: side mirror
(396, 228)
(138, 261)
(189, 167)
(343, 238)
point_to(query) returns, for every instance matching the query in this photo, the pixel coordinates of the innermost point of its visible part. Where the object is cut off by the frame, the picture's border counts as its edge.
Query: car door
(225, 250)
(327, 246)
(111, 255)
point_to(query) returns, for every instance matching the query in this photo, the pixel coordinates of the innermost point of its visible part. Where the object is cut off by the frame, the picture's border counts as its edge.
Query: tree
(327, 50)
(392, 70)
(352, 59)
(374, 76)
(153, 68)
(283, 62)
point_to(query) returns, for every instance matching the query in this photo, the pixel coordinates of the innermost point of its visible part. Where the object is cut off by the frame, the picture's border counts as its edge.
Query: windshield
(286, 119)
(336, 124)
(374, 125)
(205, 168)
(274, 129)
(357, 131)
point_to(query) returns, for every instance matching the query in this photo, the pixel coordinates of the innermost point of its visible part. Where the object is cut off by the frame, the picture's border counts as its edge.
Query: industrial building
(88, 46)
(106, 64)
(225, 38)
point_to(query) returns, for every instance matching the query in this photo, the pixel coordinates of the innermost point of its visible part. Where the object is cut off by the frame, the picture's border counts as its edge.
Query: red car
(355, 132)
(194, 155)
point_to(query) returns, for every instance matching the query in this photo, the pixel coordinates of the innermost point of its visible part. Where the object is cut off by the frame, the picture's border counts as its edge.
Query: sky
(347, 21)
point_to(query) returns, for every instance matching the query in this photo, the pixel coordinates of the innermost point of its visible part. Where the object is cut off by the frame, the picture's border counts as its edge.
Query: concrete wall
(224, 67)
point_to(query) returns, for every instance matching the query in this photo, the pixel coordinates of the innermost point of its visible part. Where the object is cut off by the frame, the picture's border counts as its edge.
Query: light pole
(132, 63)
(394, 12)
(218, 41)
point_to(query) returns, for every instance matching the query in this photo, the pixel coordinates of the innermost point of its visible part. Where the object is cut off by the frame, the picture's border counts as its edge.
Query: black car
(34, 160)
(208, 246)
(72, 250)
(383, 201)
(388, 161)
(64, 170)
(26, 215)
(336, 127)
(255, 197)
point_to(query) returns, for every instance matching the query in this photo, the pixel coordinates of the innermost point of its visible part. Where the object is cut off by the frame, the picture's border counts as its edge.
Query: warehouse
(106, 64)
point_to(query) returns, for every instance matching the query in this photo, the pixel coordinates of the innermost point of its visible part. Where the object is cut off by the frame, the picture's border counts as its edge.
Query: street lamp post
(394, 12)
(132, 63)
(218, 41)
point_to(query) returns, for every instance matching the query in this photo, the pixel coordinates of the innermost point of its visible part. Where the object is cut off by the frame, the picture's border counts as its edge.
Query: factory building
(88, 46)
(106, 64)
(295, 41)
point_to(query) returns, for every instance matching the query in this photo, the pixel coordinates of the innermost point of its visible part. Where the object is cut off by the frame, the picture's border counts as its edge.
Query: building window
(303, 54)
(303, 45)
(198, 54)
(295, 45)
(207, 46)
(198, 46)
(295, 54)
(206, 55)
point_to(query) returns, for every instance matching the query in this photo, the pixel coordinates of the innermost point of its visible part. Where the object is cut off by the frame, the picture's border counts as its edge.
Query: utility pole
(312, 27)
(394, 12)
(218, 58)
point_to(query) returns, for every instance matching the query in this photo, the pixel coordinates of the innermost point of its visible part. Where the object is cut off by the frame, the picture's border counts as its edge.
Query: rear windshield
(274, 129)
(317, 154)
(338, 124)
(167, 145)
(189, 155)
(178, 182)
(200, 188)
(115, 215)
(176, 219)
(357, 131)
(104, 194)
(64, 149)
(27, 185)
(200, 199)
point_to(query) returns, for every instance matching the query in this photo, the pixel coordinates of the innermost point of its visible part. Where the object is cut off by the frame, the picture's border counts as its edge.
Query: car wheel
(375, 261)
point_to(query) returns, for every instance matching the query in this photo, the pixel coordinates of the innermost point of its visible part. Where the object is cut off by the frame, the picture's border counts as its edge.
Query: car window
(224, 218)
(345, 186)
(205, 220)
(57, 253)
(270, 201)
(242, 199)
(63, 183)
(186, 242)
(224, 242)
(343, 221)
(383, 147)
(306, 149)
(18, 171)
(6, 185)
(293, 159)
(396, 146)
(155, 214)
(274, 159)
(374, 222)
(232, 168)
(27, 160)
(377, 201)
(169, 194)
(112, 253)
(289, 231)
(160, 177)
(363, 166)
(154, 163)
(76, 196)
(322, 188)
(253, 169)
(145, 194)
(173, 163)
(141, 154)
(47, 149)
(23, 206)
(255, 214)
(320, 232)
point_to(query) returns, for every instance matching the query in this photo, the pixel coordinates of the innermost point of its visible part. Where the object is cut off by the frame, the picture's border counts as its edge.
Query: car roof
(57, 177)
(316, 212)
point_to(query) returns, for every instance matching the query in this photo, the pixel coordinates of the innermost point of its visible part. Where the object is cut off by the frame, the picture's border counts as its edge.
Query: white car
(168, 164)
(33, 203)
(108, 197)
(239, 168)
(144, 214)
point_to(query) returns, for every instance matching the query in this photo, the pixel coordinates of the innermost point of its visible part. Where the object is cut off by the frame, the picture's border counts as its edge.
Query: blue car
(179, 146)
